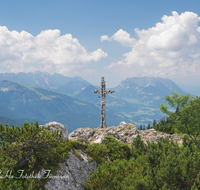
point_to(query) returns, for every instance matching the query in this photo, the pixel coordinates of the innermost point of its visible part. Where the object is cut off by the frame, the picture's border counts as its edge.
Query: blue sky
(115, 39)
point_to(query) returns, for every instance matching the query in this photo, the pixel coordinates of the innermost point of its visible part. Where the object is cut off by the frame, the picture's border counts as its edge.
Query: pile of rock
(125, 132)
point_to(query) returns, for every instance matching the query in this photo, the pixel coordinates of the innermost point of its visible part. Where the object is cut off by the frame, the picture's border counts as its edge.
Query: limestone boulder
(57, 126)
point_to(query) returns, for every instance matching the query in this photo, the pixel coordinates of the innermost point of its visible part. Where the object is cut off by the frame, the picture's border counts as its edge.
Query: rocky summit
(125, 132)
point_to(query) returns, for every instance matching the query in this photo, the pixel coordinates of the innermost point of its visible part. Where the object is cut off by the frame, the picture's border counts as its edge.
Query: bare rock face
(73, 174)
(125, 132)
(58, 126)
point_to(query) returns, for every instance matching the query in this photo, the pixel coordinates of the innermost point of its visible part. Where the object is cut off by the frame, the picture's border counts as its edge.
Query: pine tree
(26, 145)
(149, 126)
(140, 126)
(154, 122)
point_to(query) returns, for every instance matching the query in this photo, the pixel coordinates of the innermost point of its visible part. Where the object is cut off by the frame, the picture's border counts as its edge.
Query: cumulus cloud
(171, 47)
(122, 37)
(47, 48)
(105, 37)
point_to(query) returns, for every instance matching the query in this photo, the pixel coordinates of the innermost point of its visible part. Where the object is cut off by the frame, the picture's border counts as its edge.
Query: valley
(44, 97)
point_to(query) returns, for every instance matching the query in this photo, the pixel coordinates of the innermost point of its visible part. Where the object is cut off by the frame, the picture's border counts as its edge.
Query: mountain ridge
(136, 98)
(41, 79)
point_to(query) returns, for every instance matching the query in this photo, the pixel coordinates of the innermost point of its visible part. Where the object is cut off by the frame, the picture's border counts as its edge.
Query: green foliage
(90, 159)
(97, 152)
(175, 101)
(33, 144)
(166, 128)
(152, 166)
(154, 122)
(78, 156)
(116, 149)
(79, 145)
(121, 175)
(138, 147)
(186, 119)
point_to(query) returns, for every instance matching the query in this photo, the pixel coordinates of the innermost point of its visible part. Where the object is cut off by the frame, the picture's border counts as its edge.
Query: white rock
(58, 126)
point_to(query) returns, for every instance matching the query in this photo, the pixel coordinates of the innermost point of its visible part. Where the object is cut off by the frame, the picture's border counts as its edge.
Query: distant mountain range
(137, 98)
(20, 102)
(71, 100)
(58, 82)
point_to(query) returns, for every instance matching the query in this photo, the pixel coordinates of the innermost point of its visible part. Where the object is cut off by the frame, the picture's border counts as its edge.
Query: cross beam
(103, 93)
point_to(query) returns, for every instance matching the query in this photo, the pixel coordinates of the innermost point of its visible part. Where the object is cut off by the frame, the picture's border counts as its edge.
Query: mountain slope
(137, 98)
(47, 105)
(72, 87)
(114, 103)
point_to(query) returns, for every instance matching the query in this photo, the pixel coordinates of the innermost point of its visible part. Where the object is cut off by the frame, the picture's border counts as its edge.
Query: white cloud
(47, 48)
(122, 37)
(167, 49)
(105, 37)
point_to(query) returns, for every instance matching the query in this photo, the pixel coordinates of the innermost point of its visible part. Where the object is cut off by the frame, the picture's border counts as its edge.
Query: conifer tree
(149, 126)
(26, 145)
(154, 122)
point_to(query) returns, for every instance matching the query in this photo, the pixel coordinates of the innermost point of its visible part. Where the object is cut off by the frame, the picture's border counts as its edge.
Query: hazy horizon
(187, 89)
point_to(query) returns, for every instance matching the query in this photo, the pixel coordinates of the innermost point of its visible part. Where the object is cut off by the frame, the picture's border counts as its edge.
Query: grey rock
(123, 124)
(73, 174)
(58, 126)
(113, 133)
(99, 139)
(125, 132)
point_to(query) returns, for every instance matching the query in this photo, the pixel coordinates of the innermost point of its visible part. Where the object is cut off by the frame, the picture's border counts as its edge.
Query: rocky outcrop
(73, 173)
(125, 132)
(58, 126)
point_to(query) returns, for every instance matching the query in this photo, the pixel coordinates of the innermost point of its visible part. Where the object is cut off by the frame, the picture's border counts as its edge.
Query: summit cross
(103, 93)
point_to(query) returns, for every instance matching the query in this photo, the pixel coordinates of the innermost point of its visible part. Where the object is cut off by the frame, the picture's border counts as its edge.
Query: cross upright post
(103, 93)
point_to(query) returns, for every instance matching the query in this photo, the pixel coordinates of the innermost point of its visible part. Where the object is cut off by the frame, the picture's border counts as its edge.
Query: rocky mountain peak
(163, 85)
(146, 81)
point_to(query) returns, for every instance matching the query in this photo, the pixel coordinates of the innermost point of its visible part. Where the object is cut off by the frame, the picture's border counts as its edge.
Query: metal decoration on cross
(103, 93)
